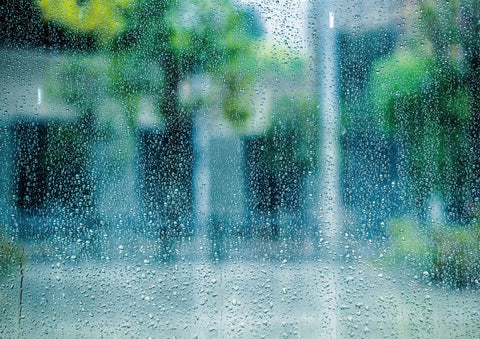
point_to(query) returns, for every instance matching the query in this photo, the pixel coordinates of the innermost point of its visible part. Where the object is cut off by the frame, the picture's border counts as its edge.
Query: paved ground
(256, 289)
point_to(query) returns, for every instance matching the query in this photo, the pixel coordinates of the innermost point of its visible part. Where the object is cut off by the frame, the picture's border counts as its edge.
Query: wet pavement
(137, 293)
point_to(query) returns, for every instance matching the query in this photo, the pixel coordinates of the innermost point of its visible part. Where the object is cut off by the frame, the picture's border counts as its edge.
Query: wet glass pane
(253, 168)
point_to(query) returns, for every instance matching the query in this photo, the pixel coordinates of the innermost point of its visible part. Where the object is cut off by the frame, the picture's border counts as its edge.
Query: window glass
(250, 168)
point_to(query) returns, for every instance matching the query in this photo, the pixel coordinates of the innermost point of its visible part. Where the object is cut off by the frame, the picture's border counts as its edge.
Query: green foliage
(78, 81)
(98, 17)
(291, 141)
(97, 96)
(129, 75)
(153, 45)
(270, 65)
(185, 38)
(129, 78)
(409, 243)
(357, 53)
(426, 98)
(445, 253)
(456, 255)
(10, 253)
(67, 145)
(207, 33)
(402, 78)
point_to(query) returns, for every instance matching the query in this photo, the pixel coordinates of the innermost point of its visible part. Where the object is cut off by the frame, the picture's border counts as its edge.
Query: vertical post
(201, 174)
(330, 200)
(330, 205)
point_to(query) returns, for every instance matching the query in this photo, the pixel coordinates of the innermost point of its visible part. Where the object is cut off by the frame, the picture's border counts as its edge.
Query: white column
(330, 202)
(330, 209)
(201, 173)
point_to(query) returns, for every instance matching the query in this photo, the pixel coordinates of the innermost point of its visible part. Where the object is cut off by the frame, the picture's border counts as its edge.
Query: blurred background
(194, 146)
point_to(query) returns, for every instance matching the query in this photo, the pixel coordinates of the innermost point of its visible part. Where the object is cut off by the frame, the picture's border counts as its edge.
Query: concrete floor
(135, 293)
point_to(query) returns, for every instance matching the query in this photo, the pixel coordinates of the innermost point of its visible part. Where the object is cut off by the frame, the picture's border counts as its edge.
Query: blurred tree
(281, 156)
(357, 52)
(428, 94)
(79, 82)
(183, 38)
